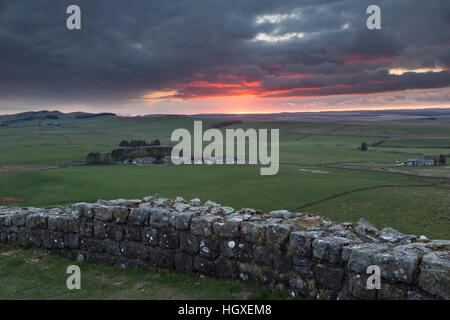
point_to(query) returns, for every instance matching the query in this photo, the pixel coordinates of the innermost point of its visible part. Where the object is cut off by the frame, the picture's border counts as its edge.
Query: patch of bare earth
(9, 200)
(12, 169)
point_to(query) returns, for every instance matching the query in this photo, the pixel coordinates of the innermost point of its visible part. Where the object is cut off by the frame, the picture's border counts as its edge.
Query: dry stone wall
(305, 254)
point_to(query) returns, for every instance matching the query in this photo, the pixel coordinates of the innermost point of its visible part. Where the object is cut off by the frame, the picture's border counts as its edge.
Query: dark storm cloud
(207, 48)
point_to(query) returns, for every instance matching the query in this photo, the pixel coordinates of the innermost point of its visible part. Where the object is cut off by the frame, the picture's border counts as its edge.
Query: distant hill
(353, 115)
(94, 115)
(6, 120)
(409, 112)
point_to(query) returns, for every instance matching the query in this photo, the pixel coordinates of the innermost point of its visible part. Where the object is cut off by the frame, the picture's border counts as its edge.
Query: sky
(223, 56)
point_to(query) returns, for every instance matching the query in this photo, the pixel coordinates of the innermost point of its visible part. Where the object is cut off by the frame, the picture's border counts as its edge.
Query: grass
(330, 146)
(417, 210)
(234, 185)
(28, 143)
(34, 274)
(417, 143)
(301, 142)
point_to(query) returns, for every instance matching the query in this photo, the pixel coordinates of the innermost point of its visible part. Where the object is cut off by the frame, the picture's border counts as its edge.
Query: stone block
(209, 248)
(182, 221)
(329, 248)
(159, 217)
(189, 243)
(99, 229)
(230, 248)
(278, 234)
(149, 236)
(183, 262)
(330, 277)
(93, 245)
(18, 218)
(226, 229)
(435, 274)
(357, 287)
(301, 242)
(303, 266)
(282, 263)
(164, 258)
(36, 221)
(114, 232)
(360, 257)
(133, 233)
(139, 217)
(168, 239)
(202, 226)
(72, 241)
(225, 268)
(246, 251)
(86, 228)
(120, 214)
(204, 265)
(391, 292)
(262, 256)
(254, 232)
(103, 213)
(73, 224)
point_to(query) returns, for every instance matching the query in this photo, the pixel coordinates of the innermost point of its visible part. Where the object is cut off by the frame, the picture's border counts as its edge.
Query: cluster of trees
(139, 143)
(225, 123)
(441, 159)
(122, 154)
(98, 158)
(94, 115)
(364, 146)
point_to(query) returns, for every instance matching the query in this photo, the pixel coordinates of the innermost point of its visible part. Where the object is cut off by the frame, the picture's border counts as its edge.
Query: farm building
(420, 162)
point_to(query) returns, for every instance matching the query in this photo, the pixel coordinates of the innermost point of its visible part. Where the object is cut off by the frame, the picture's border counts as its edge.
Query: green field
(237, 186)
(34, 274)
(356, 184)
(28, 143)
(414, 207)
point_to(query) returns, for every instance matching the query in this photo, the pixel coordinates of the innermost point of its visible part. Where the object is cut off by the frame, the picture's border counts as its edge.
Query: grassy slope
(417, 210)
(34, 274)
(300, 143)
(409, 209)
(237, 186)
(27, 143)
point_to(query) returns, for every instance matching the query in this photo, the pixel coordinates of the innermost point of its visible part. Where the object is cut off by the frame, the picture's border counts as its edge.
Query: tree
(138, 143)
(442, 160)
(156, 142)
(93, 158)
(124, 143)
(364, 146)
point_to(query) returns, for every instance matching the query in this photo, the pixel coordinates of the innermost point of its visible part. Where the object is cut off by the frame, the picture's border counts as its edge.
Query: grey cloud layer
(129, 48)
